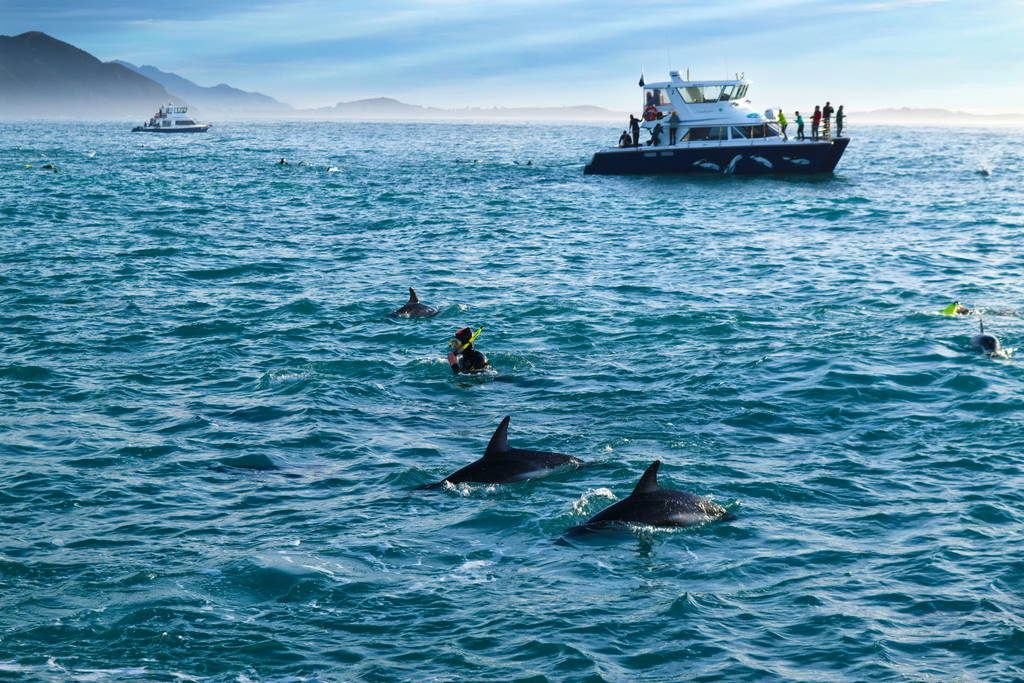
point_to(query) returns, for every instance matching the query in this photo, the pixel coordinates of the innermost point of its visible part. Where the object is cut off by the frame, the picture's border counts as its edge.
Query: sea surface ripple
(210, 429)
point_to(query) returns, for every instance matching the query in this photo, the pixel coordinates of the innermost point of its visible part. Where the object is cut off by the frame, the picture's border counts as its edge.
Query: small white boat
(172, 118)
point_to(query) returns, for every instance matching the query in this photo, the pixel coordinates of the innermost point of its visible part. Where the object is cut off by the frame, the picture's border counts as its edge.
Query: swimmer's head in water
(955, 308)
(464, 338)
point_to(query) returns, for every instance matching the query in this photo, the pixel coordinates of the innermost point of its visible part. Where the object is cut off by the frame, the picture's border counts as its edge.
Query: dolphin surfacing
(502, 464)
(414, 309)
(650, 504)
(986, 342)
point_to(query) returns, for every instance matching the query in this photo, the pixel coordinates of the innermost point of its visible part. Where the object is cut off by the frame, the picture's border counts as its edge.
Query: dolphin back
(651, 504)
(502, 464)
(414, 309)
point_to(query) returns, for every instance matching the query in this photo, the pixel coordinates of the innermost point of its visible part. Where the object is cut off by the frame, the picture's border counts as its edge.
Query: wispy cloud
(885, 5)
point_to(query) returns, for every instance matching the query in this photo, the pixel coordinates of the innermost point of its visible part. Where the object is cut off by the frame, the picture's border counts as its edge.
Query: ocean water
(211, 431)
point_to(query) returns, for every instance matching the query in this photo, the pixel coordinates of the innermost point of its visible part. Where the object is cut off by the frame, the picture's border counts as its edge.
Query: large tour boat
(717, 132)
(172, 118)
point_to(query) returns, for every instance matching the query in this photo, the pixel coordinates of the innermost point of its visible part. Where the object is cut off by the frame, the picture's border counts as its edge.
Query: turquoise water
(210, 430)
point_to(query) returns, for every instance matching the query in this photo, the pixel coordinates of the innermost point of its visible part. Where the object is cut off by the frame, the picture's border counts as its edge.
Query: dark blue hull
(172, 129)
(793, 157)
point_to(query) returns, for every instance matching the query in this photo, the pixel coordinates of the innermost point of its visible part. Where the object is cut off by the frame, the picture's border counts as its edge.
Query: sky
(867, 54)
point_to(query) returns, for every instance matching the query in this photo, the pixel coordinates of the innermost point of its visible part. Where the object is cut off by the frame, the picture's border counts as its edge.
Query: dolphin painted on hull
(502, 464)
(414, 309)
(650, 504)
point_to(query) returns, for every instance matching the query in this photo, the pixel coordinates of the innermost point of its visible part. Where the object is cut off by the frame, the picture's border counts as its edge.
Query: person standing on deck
(815, 122)
(783, 123)
(826, 115)
(634, 128)
(800, 127)
(839, 121)
(673, 127)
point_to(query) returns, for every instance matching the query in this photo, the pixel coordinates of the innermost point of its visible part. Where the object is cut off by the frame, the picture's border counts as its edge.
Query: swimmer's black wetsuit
(470, 361)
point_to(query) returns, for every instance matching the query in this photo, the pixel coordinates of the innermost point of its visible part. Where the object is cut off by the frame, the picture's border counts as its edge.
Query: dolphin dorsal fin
(498, 445)
(413, 299)
(649, 482)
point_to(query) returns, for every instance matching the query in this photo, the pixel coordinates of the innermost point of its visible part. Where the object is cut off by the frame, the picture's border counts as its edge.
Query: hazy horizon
(454, 54)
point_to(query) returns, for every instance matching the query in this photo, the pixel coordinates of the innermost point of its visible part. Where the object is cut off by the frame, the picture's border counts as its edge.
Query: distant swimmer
(414, 309)
(502, 464)
(463, 357)
(956, 308)
(282, 162)
(650, 504)
(986, 342)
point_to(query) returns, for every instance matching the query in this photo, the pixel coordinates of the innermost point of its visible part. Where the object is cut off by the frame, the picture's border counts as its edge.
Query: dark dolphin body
(502, 464)
(414, 309)
(986, 342)
(651, 504)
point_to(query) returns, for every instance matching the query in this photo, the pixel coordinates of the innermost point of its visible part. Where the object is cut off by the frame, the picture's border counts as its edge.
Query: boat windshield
(700, 94)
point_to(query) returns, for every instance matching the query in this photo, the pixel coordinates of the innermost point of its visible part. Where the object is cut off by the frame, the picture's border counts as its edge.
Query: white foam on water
(581, 505)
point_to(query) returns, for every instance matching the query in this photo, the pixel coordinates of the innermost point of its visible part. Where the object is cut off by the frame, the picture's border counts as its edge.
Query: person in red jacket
(815, 122)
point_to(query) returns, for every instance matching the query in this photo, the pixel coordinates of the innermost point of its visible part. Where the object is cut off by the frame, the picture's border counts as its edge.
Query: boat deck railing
(825, 135)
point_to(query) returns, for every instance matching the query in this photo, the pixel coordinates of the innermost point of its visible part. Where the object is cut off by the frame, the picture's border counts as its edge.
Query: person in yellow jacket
(782, 124)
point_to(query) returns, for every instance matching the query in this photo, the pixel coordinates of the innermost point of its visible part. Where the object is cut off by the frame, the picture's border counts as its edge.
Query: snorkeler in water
(463, 357)
(956, 308)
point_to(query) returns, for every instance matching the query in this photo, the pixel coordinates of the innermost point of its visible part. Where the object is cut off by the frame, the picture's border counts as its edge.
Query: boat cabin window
(760, 131)
(166, 124)
(656, 96)
(712, 133)
(186, 122)
(702, 94)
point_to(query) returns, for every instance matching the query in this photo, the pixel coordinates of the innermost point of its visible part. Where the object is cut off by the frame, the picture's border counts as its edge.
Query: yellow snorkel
(460, 346)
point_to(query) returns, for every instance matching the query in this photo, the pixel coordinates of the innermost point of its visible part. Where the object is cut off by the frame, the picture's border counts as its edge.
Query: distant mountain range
(907, 115)
(386, 107)
(217, 100)
(43, 76)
